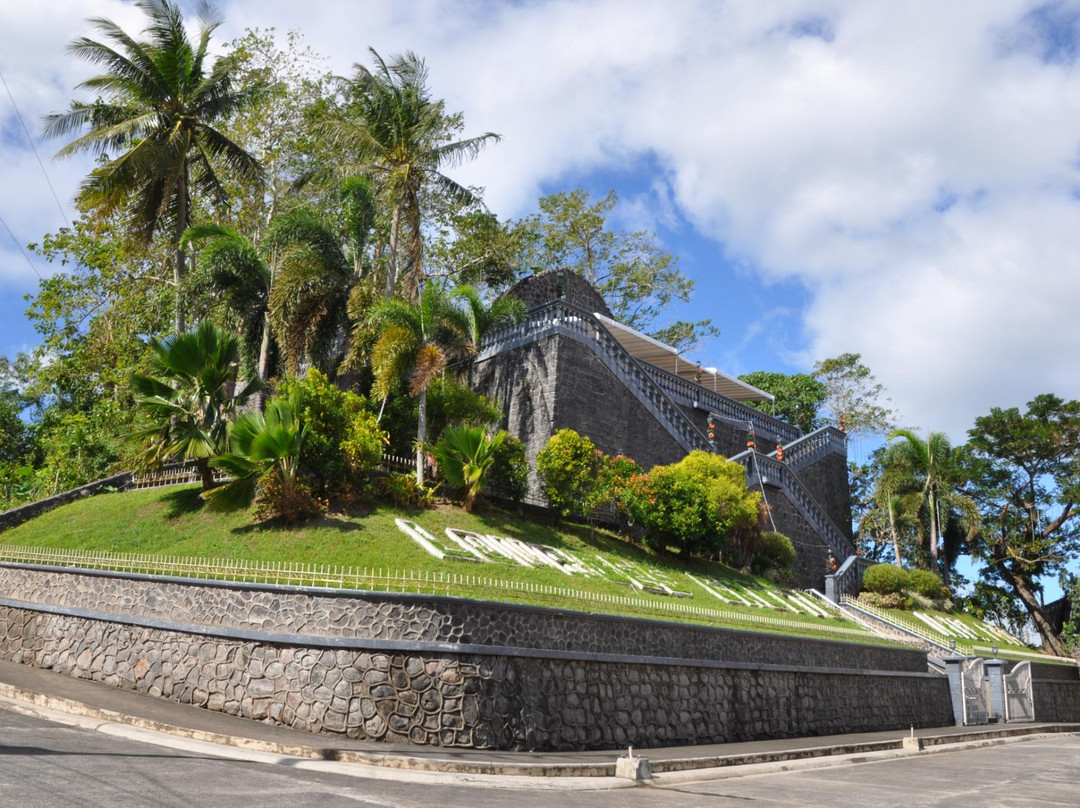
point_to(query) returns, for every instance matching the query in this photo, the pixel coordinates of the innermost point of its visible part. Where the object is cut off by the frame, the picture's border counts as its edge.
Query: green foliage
(854, 399)
(888, 600)
(453, 404)
(391, 130)
(264, 457)
(152, 123)
(773, 551)
(191, 396)
(638, 279)
(694, 506)
(464, 455)
(405, 492)
(509, 472)
(884, 579)
(343, 443)
(798, 397)
(925, 583)
(1025, 478)
(570, 467)
(616, 476)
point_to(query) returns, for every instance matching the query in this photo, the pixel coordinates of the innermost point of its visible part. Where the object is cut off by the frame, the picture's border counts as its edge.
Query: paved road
(48, 764)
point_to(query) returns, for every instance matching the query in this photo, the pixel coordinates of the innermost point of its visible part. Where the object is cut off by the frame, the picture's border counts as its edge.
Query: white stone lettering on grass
(808, 604)
(709, 589)
(430, 543)
(474, 543)
(933, 624)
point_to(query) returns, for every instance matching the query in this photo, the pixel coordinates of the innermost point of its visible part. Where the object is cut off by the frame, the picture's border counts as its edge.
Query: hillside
(562, 565)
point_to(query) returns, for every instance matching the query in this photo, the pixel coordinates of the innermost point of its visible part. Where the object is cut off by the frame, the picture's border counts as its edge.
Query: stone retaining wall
(452, 673)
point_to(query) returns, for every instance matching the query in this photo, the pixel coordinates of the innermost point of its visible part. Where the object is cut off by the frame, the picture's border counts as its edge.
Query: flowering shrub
(691, 506)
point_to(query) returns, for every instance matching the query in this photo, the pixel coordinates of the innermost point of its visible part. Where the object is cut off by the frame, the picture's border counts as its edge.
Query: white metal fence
(407, 581)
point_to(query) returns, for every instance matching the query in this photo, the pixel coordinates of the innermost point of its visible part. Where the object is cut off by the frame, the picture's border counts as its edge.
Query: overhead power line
(33, 148)
(19, 245)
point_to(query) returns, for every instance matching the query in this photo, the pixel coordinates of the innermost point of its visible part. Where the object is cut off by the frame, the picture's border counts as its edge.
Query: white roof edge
(608, 321)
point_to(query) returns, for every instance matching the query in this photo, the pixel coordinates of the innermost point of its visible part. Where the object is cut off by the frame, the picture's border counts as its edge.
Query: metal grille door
(1019, 705)
(973, 684)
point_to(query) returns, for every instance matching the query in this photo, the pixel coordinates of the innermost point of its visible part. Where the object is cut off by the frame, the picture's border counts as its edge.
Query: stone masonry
(447, 672)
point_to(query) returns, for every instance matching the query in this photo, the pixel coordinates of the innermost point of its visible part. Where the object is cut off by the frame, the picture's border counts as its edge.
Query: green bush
(694, 505)
(343, 443)
(890, 600)
(570, 468)
(884, 579)
(405, 492)
(926, 583)
(509, 474)
(773, 551)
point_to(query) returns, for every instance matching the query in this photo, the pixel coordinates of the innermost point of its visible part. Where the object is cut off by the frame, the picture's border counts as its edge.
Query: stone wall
(811, 552)
(544, 287)
(446, 672)
(828, 480)
(558, 383)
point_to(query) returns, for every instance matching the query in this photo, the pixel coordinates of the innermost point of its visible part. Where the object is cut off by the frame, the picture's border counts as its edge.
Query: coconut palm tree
(403, 140)
(416, 339)
(482, 317)
(191, 396)
(232, 274)
(301, 256)
(153, 125)
(931, 464)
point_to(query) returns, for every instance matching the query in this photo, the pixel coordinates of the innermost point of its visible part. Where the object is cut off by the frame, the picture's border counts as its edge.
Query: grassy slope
(171, 521)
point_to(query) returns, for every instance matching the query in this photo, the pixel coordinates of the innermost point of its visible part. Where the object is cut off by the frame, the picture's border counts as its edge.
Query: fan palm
(153, 124)
(403, 139)
(191, 396)
(416, 338)
(261, 446)
(465, 454)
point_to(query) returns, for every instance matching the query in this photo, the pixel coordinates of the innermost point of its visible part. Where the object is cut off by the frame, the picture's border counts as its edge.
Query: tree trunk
(1051, 641)
(421, 438)
(391, 265)
(206, 474)
(934, 568)
(180, 266)
(264, 361)
(895, 538)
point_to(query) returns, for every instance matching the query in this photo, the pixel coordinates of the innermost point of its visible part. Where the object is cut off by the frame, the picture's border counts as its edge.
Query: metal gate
(1019, 705)
(973, 690)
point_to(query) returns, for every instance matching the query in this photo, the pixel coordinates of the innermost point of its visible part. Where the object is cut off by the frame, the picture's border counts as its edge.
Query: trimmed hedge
(885, 579)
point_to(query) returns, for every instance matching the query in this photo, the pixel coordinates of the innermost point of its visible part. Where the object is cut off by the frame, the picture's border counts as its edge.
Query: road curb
(664, 770)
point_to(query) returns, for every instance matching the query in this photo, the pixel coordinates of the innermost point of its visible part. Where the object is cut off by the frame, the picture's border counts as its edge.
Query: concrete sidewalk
(45, 689)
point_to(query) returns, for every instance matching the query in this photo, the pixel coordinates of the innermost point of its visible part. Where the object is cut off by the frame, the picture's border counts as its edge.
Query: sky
(895, 179)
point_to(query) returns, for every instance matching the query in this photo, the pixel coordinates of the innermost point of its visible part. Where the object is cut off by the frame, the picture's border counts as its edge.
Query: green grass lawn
(171, 522)
(982, 643)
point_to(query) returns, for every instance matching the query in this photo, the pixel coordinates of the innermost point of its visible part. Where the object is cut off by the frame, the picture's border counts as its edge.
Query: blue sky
(899, 178)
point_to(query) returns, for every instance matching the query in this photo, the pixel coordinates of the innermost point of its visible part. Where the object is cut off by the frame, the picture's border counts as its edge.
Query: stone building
(569, 364)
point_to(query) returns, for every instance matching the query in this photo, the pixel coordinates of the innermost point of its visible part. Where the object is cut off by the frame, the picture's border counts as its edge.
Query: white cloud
(912, 163)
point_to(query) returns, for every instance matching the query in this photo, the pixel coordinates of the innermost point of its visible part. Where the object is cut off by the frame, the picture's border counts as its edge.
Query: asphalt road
(49, 764)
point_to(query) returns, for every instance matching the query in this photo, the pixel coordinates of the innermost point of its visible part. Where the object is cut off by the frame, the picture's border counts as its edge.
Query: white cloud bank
(913, 164)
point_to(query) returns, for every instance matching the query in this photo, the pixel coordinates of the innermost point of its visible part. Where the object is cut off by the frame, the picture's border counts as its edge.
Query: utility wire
(33, 148)
(19, 245)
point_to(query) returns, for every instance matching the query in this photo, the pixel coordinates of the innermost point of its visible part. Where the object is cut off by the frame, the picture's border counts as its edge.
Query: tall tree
(931, 467)
(403, 140)
(153, 125)
(1025, 476)
(853, 397)
(797, 397)
(636, 276)
(416, 339)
